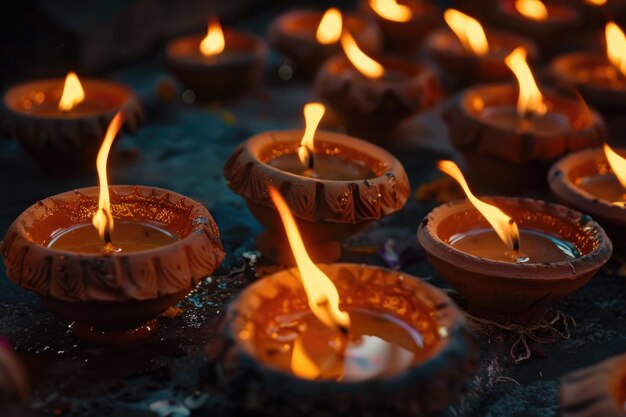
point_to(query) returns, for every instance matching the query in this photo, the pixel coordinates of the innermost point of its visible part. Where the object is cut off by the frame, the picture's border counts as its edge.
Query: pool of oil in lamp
(603, 186)
(605, 75)
(127, 236)
(535, 246)
(47, 104)
(508, 118)
(327, 167)
(377, 344)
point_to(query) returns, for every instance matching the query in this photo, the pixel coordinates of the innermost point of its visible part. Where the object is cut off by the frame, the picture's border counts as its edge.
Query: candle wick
(107, 228)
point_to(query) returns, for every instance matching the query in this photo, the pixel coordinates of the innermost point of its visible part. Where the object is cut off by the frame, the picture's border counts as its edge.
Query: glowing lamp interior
(313, 113)
(616, 46)
(391, 10)
(504, 225)
(321, 293)
(596, 2)
(530, 99)
(617, 163)
(469, 31)
(73, 93)
(532, 9)
(103, 219)
(213, 43)
(330, 27)
(363, 63)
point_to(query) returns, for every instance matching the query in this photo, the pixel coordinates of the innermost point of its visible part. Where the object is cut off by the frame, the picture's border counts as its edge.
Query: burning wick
(103, 219)
(616, 47)
(320, 291)
(530, 101)
(330, 27)
(73, 93)
(313, 113)
(213, 43)
(504, 225)
(618, 165)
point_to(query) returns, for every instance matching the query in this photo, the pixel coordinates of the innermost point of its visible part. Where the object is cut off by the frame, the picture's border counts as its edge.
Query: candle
(130, 236)
(472, 55)
(60, 122)
(383, 92)
(360, 334)
(219, 64)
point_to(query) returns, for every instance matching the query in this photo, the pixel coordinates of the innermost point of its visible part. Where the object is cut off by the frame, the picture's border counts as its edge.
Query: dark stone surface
(182, 147)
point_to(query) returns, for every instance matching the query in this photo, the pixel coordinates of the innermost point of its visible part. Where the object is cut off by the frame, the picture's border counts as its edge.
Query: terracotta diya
(372, 97)
(309, 38)
(600, 77)
(324, 339)
(218, 65)
(335, 186)
(542, 22)
(512, 258)
(595, 12)
(469, 54)
(593, 182)
(510, 136)
(114, 271)
(60, 122)
(599, 390)
(405, 23)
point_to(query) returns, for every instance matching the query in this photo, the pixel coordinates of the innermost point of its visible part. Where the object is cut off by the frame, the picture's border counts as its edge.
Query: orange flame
(503, 224)
(530, 99)
(391, 10)
(213, 43)
(468, 30)
(596, 2)
(533, 9)
(617, 163)
(616, 46)
(363, 63)
(73, 93)
(103, 219)
(321, 293)
(313, 113)
(330, 27)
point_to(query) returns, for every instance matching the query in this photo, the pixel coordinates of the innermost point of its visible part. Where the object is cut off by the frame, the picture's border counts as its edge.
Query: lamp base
(101, 337)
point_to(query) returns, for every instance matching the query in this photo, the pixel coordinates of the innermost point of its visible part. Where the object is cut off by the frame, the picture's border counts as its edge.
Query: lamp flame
(469, 31)
(504, 225)
(616, 46)
(533, 9)
(363, 63)
(213, 43)
(391, 10)
(596, 2)
(530, 99)
(73, 93)
(330, 27)
(617, 163)
(313, 113)
(103, 219)
(321, 293)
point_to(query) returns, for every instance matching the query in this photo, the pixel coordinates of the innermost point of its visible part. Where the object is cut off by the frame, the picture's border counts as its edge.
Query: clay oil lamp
(510, 136)
(112, 259)
(511, 258)
(60, 122)
(469, 54)
(595, 12)
(309, 38)
(335, 184)
(594, 181)
(542, 22)
(599, 390)
(328, 339)
(373, 96)
(600, 77)
(405, 23)
(219, 65)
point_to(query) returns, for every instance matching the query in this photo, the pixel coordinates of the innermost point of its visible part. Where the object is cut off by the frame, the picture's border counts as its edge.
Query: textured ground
(182, 147)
